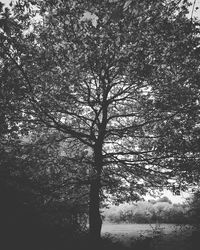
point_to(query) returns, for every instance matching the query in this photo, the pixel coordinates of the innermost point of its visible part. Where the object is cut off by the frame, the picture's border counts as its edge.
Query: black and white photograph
(99, 124)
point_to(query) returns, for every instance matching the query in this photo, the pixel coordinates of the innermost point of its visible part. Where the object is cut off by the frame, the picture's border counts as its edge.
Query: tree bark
(95, 221)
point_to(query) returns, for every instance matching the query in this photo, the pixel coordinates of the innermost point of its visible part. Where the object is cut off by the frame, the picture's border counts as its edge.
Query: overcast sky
(6, 2)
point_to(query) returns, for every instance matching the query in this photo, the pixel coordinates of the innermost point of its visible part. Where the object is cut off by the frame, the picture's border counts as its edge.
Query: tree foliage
(40, 205)
(113, 79)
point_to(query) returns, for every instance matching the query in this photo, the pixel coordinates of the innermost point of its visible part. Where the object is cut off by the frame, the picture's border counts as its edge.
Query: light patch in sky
(173, 198)
(196, 12)
(6, 2)
(89, 16)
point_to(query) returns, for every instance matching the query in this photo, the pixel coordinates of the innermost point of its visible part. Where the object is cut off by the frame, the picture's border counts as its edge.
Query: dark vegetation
(98, 99)
(35, 214)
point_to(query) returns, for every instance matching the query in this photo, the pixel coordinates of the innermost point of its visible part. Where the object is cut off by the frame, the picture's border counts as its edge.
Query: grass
(150, 236)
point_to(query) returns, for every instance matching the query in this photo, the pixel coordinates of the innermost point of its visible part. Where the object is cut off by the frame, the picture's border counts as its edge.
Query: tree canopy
(113, 79)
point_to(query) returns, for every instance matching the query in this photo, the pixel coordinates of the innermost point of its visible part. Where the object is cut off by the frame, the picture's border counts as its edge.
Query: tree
(96, 73)
(179, 137)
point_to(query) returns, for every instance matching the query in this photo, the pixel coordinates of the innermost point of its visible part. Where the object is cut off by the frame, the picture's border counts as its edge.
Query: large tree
(96, 71)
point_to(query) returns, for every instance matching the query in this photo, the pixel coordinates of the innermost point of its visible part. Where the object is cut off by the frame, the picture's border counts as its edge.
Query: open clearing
(158, 236)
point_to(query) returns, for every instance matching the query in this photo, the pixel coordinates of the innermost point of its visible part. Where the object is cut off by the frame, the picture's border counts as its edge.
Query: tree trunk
(95, 221)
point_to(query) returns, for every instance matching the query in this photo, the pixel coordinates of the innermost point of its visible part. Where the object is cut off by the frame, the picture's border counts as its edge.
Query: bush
(194, 212)
(28, 226)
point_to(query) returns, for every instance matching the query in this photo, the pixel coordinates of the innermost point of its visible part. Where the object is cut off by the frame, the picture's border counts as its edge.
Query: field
(155, 236)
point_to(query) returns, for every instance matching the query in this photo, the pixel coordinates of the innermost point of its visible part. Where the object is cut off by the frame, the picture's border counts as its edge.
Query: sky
(173, 198)
(6, 2)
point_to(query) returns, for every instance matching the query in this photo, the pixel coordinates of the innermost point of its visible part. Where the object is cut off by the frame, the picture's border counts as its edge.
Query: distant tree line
(152, 211)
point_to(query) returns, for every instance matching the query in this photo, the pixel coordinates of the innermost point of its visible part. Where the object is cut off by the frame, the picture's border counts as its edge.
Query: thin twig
(194, 3)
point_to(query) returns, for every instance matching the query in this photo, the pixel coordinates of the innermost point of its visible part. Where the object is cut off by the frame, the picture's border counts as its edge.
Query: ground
(151, 236)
